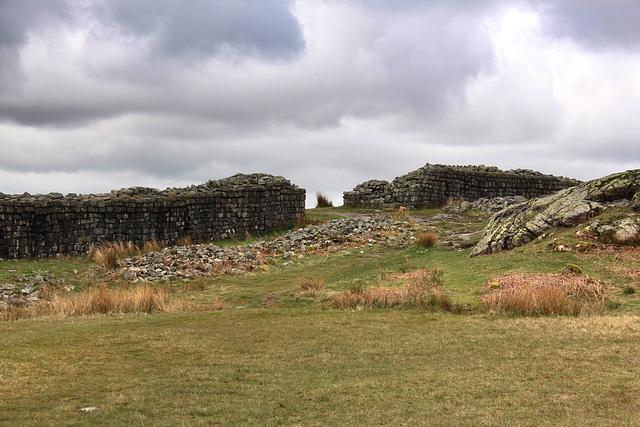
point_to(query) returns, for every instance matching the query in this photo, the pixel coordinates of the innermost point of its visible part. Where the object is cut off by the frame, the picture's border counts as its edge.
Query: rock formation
(521, 223)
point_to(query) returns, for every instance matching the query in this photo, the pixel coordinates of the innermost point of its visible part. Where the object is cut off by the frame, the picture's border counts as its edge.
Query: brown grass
(323, 201)
(545, 295)
(185, 241)
(426, 239)
(401, 214)
(421, 289)
(310, 287)
(143, 298)
(154, 245)
(219, 305)
(107, 254)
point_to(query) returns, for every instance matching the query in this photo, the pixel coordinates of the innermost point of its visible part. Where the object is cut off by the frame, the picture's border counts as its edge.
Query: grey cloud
(411, 63)
(430, 58)
(596, 23)
(17, 19)
(192, 28)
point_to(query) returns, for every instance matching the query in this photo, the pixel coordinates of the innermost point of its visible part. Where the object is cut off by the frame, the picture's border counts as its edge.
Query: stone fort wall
(434, 185)
(47, 225)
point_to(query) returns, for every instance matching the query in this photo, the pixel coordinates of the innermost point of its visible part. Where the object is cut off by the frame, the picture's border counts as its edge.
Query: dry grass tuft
(323, 201)
(422, 290)
(401, 214)
(545, 295)
(426, 239)
(143, 298)
(107, 254)
(219, 305)
(311, 287)
(154, 245)
(185, 241)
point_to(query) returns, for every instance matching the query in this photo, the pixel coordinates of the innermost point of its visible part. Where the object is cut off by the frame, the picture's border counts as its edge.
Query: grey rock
(521, 223)
(628, 232)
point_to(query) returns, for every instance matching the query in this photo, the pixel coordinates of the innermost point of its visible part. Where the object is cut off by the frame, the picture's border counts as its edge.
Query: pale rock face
(519, 224)
(628, 232)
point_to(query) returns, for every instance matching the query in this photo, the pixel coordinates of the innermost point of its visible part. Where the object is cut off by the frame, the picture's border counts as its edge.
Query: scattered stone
(27, 288)
(209, 260)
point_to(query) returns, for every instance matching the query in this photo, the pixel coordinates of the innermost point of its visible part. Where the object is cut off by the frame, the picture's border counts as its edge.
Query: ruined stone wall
(46, 225)
(434, 185)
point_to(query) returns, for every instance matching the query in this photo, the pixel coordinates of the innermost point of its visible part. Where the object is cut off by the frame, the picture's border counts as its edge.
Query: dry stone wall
(434, 185)
(51, 224)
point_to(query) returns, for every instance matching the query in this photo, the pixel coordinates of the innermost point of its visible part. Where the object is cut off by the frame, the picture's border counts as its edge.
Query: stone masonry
(51, 224)
(435, 185)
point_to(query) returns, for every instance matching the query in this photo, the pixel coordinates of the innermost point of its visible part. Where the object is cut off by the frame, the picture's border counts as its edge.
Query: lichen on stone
(519, 224)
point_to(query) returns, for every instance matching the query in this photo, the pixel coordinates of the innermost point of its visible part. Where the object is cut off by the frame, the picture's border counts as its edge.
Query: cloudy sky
(102, 94)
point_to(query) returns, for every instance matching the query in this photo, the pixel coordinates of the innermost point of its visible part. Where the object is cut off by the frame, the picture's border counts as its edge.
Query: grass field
(277, 354)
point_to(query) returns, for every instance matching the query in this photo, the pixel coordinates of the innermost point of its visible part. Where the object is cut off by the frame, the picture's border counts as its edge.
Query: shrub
(323, 201)
(628, 290)
(426, 239)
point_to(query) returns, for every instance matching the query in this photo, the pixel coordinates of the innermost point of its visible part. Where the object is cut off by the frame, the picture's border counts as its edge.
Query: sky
(98, 95)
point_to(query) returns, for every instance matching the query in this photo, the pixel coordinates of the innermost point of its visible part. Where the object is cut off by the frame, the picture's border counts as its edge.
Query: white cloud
(347, 91)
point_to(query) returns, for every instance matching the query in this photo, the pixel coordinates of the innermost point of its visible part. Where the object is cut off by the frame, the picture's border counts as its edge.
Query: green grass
(310, 367)
(288, 358)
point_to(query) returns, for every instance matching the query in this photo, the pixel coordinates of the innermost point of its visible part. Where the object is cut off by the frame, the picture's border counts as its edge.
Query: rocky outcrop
(435, 185)
(521, 223)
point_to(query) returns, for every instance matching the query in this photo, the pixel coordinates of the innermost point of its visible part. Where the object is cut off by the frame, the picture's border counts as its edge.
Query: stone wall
(434, 185)
(46, 225)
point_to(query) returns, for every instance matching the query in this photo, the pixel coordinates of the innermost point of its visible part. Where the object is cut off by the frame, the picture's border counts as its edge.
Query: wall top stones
(433, 185)
(50, 224)
(254, 181)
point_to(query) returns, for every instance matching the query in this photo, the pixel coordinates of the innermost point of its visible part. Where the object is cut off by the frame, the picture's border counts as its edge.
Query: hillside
(351, 316)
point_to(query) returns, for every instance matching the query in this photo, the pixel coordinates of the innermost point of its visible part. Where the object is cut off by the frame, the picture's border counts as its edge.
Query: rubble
(210, 260)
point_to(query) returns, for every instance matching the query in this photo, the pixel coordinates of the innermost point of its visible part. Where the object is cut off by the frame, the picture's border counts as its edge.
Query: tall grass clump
(143, 298)
(422, 289)
(323, 201)
(545, 295)
(153, 245)
(107, 254)
(310, 287)
(426, 239)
